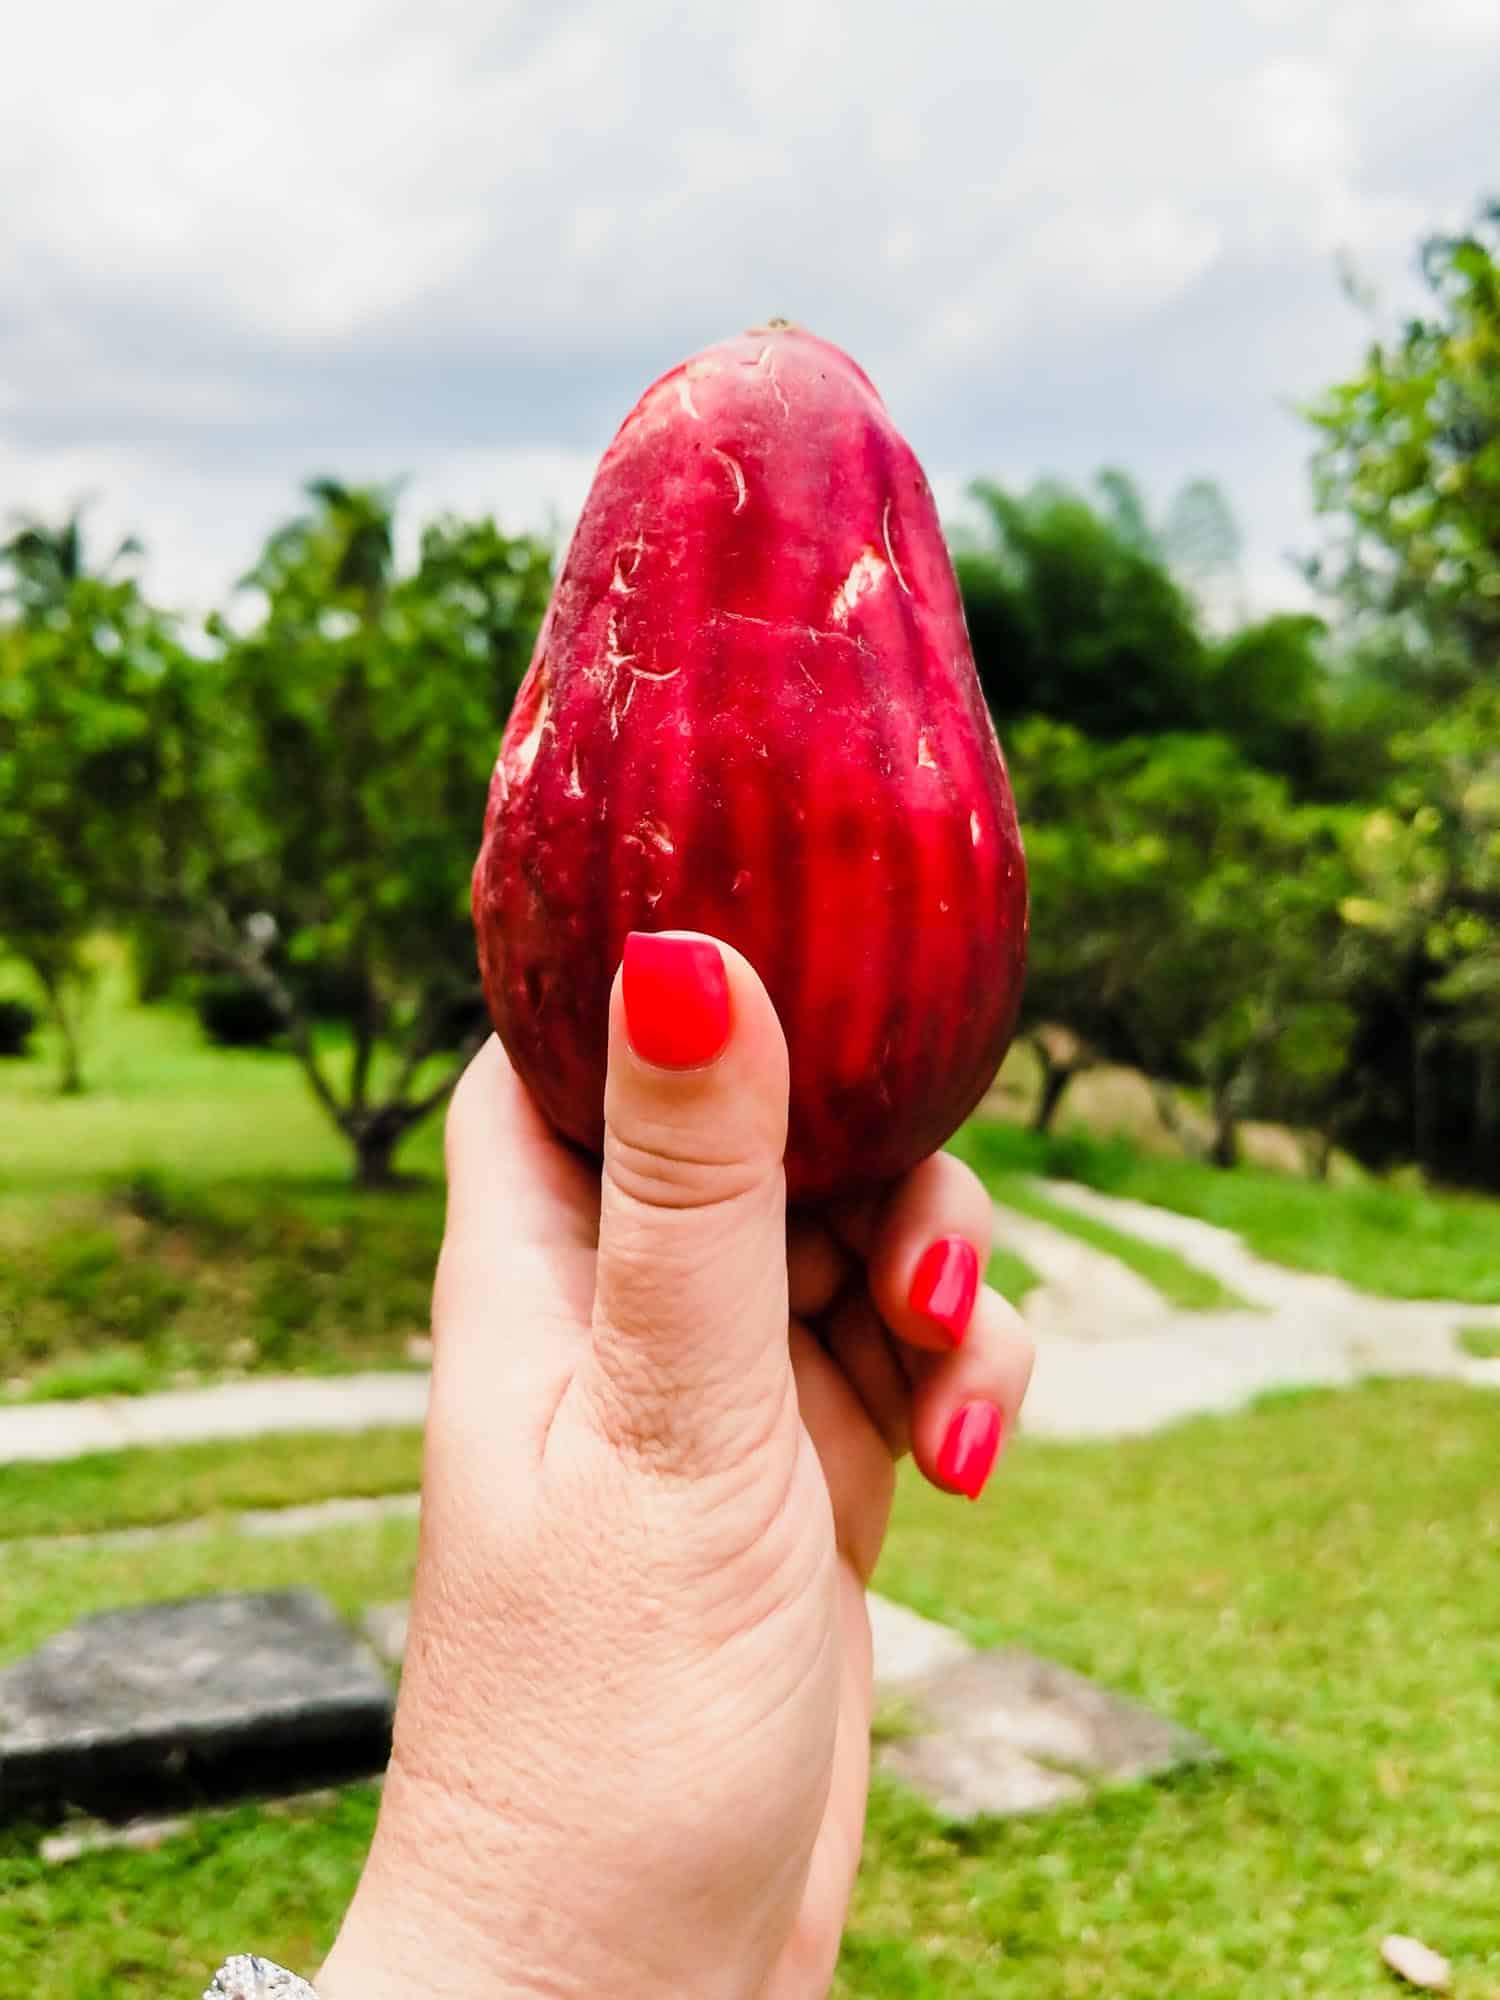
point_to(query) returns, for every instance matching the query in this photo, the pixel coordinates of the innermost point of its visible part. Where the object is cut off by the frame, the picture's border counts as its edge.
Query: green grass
(1395, 1241)
(1010, 1275)
(192, 1216)
(1480, 1343)
(1315, 1585)
(144, 1489)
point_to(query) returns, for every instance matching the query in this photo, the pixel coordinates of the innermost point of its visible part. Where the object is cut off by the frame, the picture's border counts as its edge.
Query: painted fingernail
(970, 1448)
(946, 1285)
(676, 999)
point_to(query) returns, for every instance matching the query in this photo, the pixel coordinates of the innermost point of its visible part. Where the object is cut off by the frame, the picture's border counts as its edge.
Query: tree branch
(222, 941)
(434, 1098)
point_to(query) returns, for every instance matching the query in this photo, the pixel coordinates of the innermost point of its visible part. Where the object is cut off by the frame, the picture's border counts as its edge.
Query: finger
(965, 1403)
(516, 1267)
(817, 1268)
(858, 1341)
(930, 1245)
(858, 1467)
(688, 1357)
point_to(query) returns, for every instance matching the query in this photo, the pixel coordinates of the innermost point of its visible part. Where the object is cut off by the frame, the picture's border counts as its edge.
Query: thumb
(689, 1359)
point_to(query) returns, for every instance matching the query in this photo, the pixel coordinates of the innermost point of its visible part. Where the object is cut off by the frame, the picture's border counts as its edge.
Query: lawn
(147, 1489)
(1315, 1585)
(191, 1215)
(1404, 1243)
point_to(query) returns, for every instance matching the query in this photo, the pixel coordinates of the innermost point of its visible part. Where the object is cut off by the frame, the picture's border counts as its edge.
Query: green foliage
(1409, 462)
(92, 777)
(1186, 916)
(1073, 616)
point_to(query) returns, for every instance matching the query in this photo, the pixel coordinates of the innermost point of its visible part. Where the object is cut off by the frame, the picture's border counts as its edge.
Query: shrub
(236, 1014)
(17, 1022)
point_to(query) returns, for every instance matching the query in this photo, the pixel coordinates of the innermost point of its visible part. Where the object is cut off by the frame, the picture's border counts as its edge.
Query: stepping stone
(909, 1648)
(197, 1699)
(1005, 1732)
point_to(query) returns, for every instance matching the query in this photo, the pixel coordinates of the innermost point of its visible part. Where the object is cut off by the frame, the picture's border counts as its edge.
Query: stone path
(1112, 1357)
(39, 1431)
(1107, 1366)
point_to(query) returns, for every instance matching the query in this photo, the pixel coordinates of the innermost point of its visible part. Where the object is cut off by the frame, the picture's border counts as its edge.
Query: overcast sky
(243, 245)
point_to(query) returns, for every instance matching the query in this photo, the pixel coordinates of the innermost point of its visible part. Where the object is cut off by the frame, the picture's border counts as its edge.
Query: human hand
(632, 1742)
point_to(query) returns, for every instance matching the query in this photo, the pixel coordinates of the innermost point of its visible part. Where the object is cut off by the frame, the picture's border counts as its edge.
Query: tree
(1186, 918)
(354, 729)
(1267, 691)
(46, 559)
(1071, 618)
(91, 784)
(1426, 912)
(1409, 462)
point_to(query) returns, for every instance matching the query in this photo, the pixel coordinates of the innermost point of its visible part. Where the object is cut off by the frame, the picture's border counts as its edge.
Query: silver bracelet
(251, 1978)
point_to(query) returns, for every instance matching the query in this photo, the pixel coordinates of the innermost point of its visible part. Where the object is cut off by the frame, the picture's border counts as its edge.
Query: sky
(450, 243)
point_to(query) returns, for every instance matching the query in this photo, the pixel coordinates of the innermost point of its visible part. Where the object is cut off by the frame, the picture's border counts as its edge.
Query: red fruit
(753, 711)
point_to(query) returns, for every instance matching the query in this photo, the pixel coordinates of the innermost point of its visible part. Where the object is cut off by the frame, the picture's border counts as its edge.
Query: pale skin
(632, 1743)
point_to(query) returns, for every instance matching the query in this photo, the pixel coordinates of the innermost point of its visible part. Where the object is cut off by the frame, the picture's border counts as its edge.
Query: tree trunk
(55, 986)
(374, 1155)
(1055, 1080)
(1225, 1148)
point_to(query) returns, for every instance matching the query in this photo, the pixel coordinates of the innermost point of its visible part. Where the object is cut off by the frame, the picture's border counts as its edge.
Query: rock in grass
(1418, 1964)
(196, 1698)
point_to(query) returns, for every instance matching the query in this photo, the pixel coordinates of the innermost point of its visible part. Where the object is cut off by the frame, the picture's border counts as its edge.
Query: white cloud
(385, 235)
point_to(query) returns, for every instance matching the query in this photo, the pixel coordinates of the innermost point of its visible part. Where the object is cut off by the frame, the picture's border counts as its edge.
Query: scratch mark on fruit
(646, 674)
(974, 828)
(766, 365)
(741, 883)
(925, 759)
(685, 397)
(814, 685)
(749, 618)
(524, 755)
(574, 787)
(890, 553)
(617, 710)
(733, 468)
(652, 898)
(613, 656)
(622, 583)
(865, 575)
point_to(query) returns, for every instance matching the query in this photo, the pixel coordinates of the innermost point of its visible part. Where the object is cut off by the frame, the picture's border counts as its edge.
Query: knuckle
(655, 1170)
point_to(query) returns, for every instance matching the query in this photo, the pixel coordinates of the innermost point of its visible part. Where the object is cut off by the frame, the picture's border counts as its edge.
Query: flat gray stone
(1006, 1732)
(199, 1697)
(967, 1779)
(908, 1647)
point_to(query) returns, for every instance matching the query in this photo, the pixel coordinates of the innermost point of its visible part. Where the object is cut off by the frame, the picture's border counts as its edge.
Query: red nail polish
(676, 999)
(970, 1448)
(946, 1285)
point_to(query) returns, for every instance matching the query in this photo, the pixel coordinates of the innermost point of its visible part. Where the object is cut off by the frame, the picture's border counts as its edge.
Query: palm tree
(46, 560)
(347, 544)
